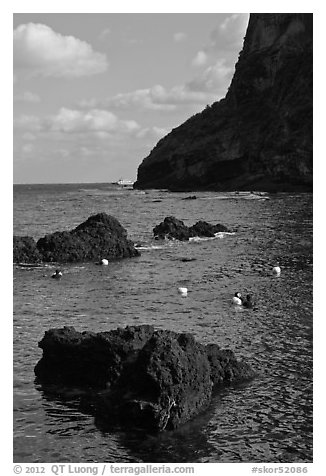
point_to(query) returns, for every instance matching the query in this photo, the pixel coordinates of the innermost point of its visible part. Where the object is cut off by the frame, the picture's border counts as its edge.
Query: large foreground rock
(173, 228)
(100, 236)
(154, 379)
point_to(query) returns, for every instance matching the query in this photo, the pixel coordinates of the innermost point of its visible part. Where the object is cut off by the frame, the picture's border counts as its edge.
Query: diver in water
(57, 274)
(248, 302)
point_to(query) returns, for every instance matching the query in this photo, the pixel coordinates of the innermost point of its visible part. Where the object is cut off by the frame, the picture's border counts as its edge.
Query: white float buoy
(104, 262)
(183, 291)
(236, 299)
(277, 270)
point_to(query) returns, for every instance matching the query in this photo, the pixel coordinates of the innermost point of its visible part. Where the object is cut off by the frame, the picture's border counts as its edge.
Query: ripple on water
(266, 420)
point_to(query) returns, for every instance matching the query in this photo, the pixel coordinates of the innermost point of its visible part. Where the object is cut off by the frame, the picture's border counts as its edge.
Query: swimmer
(57, 274)
(248, 302)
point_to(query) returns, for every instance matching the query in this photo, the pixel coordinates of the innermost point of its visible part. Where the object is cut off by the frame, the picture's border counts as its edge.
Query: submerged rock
(172, 228)
(100, 235)
(155, 379)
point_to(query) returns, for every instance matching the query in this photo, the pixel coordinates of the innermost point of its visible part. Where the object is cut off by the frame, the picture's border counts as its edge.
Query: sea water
(268, 419)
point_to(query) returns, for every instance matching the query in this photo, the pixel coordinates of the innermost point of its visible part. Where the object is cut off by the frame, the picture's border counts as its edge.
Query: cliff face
(260, 135)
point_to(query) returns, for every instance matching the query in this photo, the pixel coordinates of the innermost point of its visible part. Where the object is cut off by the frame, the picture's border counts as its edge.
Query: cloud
(156, 98)
(64, 153)
(40, 51)
(179, 37)
(27, 96)
(27, 149)
(27, 123)
(214, 79)
(225, 41)
(152, 132)
(69, 121)
(218, 57)
(229, 35)
(94, 120)
(28, 136)
(104, 34)
(200, 59)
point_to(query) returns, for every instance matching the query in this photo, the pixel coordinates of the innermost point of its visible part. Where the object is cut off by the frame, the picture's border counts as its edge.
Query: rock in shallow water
(101, 235)
(173, 228)
(25, 250)
(154, 379)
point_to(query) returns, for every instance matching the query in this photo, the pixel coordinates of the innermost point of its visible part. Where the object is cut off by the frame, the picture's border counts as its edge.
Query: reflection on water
(266, 420)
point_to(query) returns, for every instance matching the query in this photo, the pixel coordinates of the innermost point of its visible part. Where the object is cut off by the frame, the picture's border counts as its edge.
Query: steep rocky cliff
(260, 135)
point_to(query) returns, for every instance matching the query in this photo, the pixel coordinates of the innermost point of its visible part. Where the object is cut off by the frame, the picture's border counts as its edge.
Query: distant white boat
(125, 183)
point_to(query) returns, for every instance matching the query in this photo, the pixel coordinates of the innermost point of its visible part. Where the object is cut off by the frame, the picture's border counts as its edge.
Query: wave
(149, 247)
(173, 242)
(220, 235)
(239, 195)
(32, 266)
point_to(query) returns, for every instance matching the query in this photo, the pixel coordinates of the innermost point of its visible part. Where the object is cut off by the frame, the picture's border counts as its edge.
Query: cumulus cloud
(27, 96)
(152, 132)
(40, 51)
(229, 34)
(213, 79)
(29, 136)
(27, 149)
(200, 59)
(104, 34)
(217, 60)
(64, 153)
(225, 41)
(179, 37)
(28, 123)
(157, 98)
(67, 121)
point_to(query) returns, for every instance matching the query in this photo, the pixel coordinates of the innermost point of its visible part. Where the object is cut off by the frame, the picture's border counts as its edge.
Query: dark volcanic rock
(172, 228)
(25, 250)
(100, 236)
(259, 137)
(202, 228)
(152, 379)
(87, 358)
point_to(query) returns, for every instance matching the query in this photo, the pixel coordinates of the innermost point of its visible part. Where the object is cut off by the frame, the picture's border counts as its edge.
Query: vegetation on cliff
(260, 135)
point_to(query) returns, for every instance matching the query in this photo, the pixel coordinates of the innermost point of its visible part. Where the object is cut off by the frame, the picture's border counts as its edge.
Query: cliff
(260, 135)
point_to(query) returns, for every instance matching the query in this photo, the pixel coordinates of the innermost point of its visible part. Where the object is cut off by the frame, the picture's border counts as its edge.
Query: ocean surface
(268, 419)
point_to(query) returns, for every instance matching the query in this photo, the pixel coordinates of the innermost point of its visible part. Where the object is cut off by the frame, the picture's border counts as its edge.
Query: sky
(94, 92)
